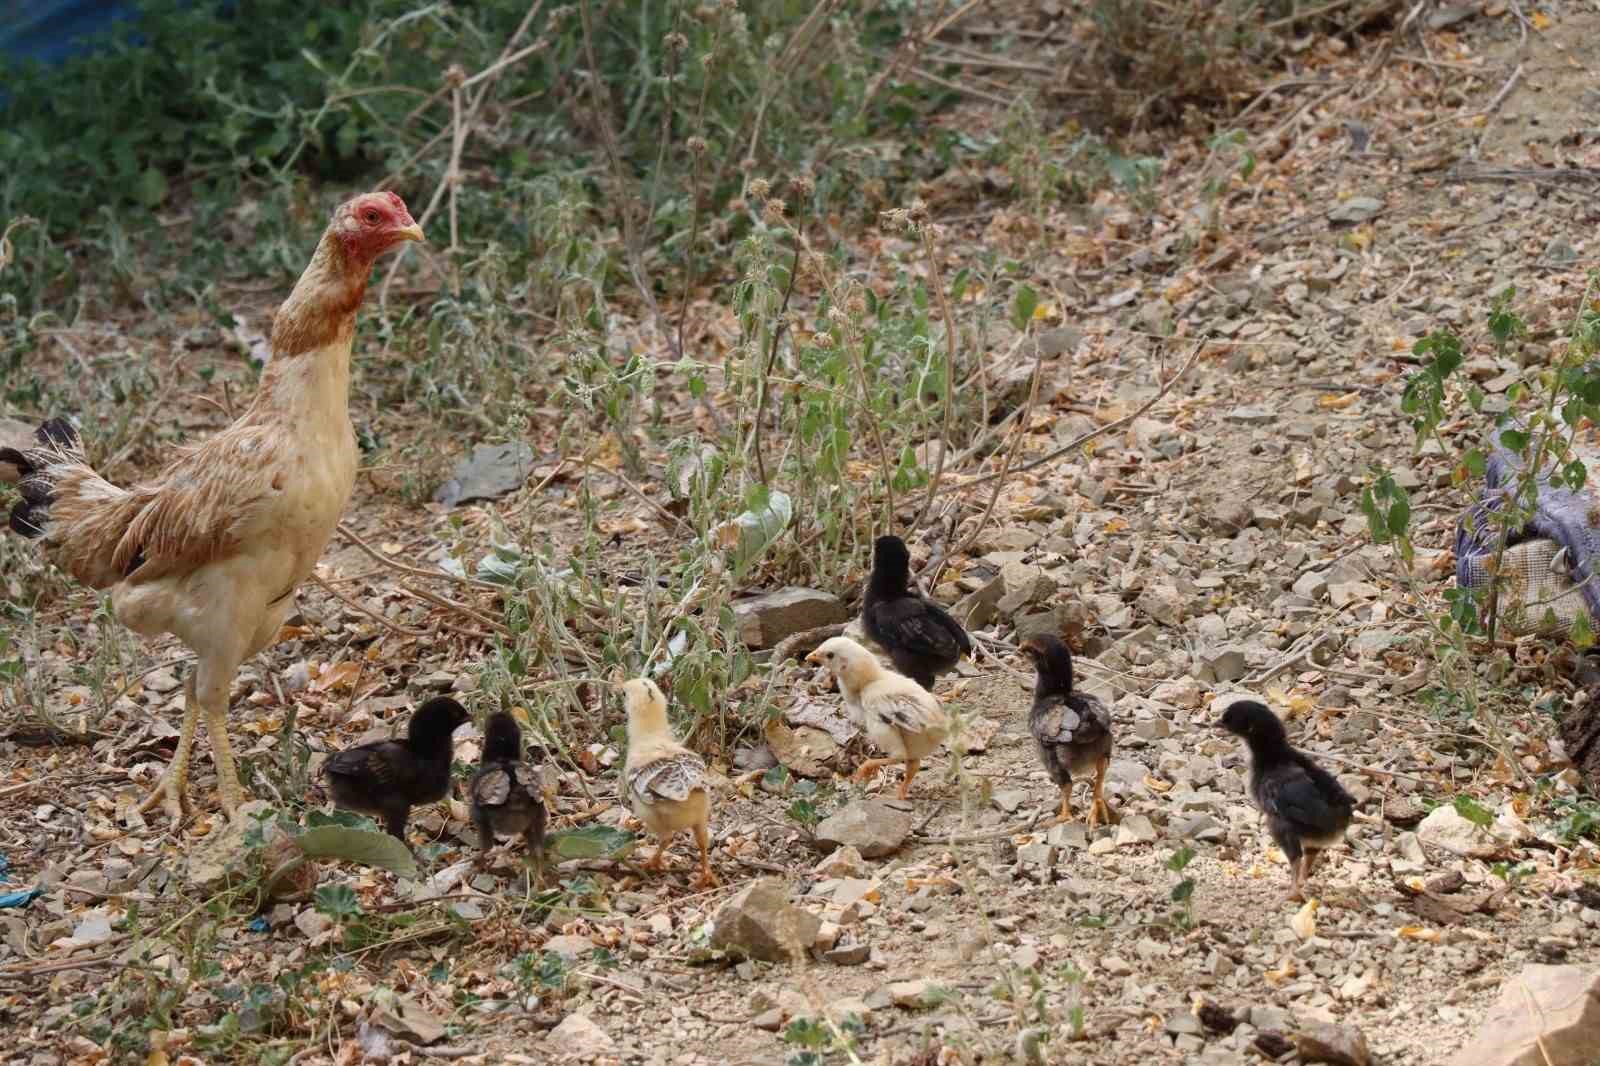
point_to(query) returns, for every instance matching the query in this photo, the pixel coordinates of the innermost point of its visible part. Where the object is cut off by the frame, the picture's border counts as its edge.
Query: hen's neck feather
(309, 372)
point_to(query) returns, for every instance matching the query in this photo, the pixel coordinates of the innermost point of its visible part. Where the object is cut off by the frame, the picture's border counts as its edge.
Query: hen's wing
(672, 779)
(913, 625)
(198, 509)
(205, 504)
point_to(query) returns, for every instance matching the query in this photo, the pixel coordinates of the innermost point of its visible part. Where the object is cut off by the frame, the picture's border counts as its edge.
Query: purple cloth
(1561, 515)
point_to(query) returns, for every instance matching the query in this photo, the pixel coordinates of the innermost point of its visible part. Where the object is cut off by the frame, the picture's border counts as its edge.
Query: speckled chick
(901, 717)
(505, 791)
(1071, 730)
(665, 783)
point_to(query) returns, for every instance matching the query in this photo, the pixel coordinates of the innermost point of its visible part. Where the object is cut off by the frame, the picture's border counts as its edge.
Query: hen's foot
(171, 795)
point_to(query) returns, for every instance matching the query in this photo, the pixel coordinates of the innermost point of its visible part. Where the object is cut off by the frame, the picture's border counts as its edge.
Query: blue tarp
(52, 30)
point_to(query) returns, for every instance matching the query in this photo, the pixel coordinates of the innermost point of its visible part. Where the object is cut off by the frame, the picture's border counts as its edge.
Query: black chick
(922, 640)
(389, 777)
(1307, 811)
(1071, 730)
(505, 793)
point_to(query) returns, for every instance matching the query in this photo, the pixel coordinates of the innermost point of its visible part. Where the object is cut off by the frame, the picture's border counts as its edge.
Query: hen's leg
(171, 792)
(702, 837)
(912, 766)
(213, 679)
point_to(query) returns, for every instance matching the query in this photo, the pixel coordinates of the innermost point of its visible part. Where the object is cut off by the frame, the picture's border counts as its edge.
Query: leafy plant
(1183, 892)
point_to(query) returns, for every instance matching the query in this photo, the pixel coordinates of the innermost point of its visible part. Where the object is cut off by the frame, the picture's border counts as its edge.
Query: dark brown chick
(389, 777)
(1307, 810)
(505, 792)
(920, 637)
(1071, 730)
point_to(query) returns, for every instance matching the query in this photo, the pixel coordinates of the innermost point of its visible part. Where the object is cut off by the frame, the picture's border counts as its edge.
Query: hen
(505, 792)
(212, 548)
(1071, 730)
(1307, 810)
(902, 717)
(665, 783)
(921, 638)
(389, 777)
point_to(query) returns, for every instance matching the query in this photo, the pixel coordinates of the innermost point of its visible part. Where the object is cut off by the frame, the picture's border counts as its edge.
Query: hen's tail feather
(80, 516)
(58, 442)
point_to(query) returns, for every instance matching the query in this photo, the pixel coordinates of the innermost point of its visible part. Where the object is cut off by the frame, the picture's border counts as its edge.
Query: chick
(665, 782)
(901, 716)
(921, 638)
(1307, 811)
(505, 792)
(1071, 730)
(389, 777)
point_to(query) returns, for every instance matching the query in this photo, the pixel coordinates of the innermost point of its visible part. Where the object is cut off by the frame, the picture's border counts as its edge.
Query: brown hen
(212, 548)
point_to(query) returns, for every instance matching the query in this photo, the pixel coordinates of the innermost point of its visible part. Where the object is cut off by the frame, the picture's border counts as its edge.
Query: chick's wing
(914, 625)
(672, 778)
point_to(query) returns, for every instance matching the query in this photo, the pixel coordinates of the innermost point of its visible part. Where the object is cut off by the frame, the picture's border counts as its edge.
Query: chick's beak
(812, 658)
(412, 232)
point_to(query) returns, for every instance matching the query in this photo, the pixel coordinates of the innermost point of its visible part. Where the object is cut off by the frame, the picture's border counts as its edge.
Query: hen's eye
(371, 217)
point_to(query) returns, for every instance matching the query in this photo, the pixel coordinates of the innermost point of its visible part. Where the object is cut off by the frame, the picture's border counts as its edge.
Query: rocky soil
(1212, 545)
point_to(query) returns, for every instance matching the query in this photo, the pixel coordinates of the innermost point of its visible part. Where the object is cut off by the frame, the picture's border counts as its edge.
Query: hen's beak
(412, 232)
(812, 658)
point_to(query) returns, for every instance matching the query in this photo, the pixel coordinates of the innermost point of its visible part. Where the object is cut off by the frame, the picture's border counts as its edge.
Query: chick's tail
(79, 515)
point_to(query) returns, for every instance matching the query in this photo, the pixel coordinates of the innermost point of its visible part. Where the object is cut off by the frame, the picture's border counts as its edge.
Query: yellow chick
(665, 782)
(901, 716)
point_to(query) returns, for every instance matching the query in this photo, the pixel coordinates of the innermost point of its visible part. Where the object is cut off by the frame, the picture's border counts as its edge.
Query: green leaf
(1474, 812)
(340, 816)
(1023, 304)
(1399, 517)
(336, 901)
(591, 842)
(1514, 439)
(1180, 858)
(1183, 890)
(359, 846)
(1476, 463)
(150, 189)
(760, 526)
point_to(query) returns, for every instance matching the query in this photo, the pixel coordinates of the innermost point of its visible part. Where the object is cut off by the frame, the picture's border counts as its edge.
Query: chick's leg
(658, 861)
(1100, 809)
(171, 792)
(1064, 815)
(912, 766)
(702, 837)
(868, 768)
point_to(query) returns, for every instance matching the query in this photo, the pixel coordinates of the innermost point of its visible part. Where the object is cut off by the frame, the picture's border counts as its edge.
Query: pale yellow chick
(901, 717)
(665, 783)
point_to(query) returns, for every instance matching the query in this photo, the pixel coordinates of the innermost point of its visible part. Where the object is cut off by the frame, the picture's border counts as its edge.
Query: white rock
(578, 1038)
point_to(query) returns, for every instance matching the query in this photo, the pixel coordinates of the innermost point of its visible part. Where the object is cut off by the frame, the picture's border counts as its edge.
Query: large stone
(872, 827)
(1341, 1045)
(1163, 603)
(491, 470)
(578, 1039)
(13, 434)
(760, 923)
(766, 619)
(1447, 829)
(977, 608)
(1546, 1016)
